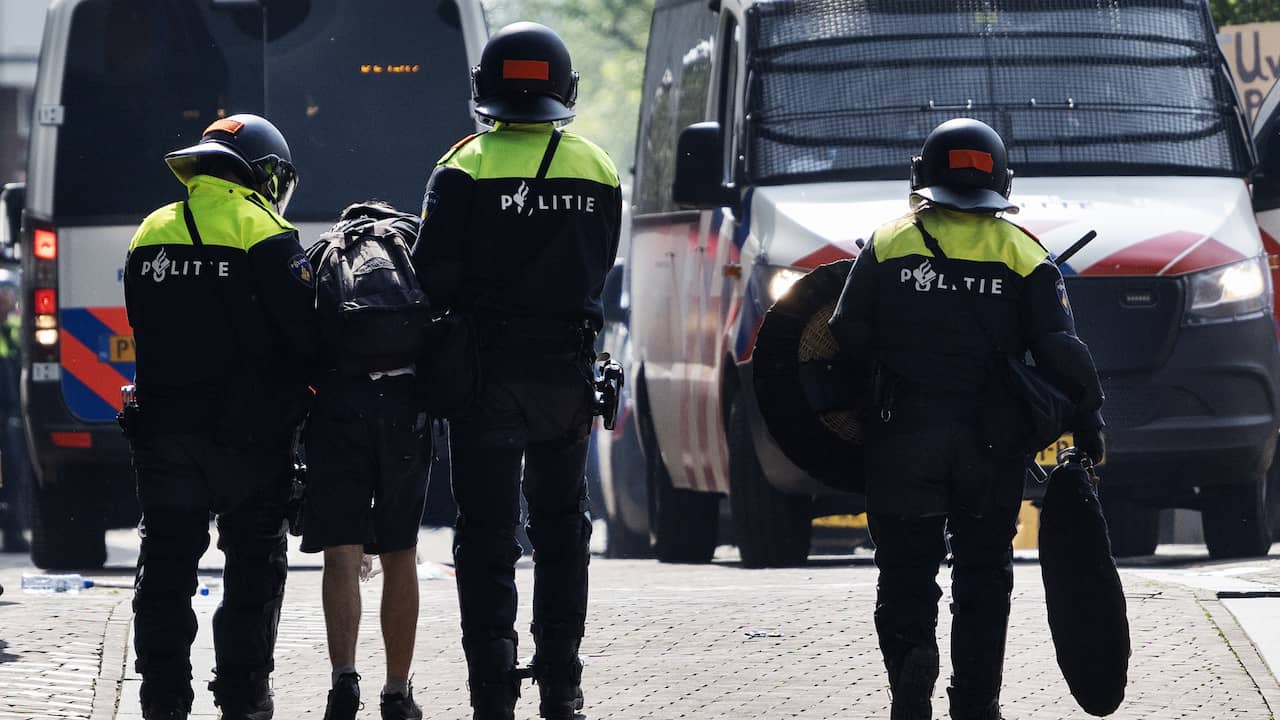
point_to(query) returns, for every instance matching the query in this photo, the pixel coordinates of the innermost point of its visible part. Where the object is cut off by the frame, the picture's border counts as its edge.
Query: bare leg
(399, 610)
(340, 593)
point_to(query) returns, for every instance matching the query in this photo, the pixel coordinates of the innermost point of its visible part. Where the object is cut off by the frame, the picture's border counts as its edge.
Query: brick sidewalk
(667, 642)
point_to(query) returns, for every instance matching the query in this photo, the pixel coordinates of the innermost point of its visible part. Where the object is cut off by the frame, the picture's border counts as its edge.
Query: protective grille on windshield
(848, 89)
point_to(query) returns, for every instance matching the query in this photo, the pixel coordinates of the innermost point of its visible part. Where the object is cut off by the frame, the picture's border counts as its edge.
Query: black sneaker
(400, 707)
(344, 698)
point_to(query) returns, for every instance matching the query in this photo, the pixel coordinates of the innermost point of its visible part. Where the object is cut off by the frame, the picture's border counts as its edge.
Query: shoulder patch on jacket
(300, 269)
(453, 150)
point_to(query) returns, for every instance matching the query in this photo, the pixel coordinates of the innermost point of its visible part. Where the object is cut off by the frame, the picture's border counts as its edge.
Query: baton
(1075, 248)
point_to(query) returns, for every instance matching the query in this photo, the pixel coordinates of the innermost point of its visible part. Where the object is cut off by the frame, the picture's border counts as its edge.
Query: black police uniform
(223, 334)
(933, 328)
(520, 228)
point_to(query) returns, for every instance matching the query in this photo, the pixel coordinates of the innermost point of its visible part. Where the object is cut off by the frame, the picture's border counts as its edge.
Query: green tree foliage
(607, 40)
(1237, 12)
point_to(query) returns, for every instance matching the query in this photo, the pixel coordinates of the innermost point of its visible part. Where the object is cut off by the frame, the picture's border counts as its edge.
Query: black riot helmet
(524, 76)
(251, 148)
(963, 166)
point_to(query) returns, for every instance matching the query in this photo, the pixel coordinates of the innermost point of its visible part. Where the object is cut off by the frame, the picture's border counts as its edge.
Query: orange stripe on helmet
(526, 70)
(976, 159)
(226, 125)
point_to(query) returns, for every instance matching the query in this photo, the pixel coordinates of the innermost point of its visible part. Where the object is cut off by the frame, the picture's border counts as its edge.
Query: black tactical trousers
(538, 418)
(909, 551)
(181, 479)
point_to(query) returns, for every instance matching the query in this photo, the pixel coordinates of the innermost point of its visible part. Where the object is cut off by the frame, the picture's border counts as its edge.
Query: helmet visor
(282, 180)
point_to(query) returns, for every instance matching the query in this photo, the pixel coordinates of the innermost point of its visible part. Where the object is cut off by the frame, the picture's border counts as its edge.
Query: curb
(115, 641)
(1245, 651)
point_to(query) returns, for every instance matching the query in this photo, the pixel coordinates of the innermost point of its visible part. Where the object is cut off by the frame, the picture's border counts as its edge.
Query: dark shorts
(368, 450)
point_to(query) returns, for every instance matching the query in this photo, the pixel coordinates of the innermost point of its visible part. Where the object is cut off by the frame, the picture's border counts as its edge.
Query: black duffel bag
(1083, 593)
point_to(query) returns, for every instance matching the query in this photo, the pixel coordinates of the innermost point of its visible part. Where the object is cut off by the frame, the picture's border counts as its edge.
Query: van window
(143, 78)
(728, 115)
(846, 89)
(369, 94)
(677, 79)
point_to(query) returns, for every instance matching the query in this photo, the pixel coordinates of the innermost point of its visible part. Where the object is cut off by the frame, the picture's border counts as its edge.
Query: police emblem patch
(429, 202)
(1062, 297)
(300, 269)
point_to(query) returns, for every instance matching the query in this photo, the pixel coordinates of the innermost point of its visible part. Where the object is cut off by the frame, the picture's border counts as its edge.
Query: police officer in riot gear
(520, 227)
(219, 294)
(931, 305)
(15, 471)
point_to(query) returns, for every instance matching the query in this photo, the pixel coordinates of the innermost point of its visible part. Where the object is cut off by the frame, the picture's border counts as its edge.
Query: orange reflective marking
(975, 159)
(526, 70)
(226, 125)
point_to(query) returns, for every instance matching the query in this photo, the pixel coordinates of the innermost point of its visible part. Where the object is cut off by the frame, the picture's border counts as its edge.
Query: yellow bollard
(1028, 527)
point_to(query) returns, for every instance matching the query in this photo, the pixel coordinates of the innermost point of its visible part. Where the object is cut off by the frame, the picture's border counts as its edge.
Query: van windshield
(848, 89)
(368, 93)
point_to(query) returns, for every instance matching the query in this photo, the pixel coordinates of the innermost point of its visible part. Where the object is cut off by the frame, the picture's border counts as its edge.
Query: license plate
(1048, 457)
(121, 349)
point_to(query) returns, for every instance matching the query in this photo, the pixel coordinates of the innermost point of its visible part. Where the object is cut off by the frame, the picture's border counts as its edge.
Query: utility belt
(538, 336)
(249, 414)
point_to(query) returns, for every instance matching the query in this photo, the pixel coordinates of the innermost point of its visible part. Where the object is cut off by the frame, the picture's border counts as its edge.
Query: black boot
(165, 698)
(911, 682)
(492, 679)
(968, 706)
(166, 710)
(247, 698)
(557, 670)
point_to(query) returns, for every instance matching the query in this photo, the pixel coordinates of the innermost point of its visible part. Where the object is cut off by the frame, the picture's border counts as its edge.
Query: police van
(368, 93)
(799, 119)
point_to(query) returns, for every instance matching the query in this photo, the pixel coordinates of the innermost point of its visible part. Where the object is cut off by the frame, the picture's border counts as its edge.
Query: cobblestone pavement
(667, 642)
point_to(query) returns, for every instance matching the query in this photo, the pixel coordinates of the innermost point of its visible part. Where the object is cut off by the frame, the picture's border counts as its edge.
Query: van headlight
(1230, 291)
(781, 281)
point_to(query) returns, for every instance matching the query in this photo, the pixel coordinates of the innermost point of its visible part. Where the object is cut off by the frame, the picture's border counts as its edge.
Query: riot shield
(799, 385)
(1083, 594)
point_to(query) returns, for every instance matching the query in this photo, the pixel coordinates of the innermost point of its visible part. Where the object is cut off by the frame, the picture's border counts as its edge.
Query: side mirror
(612, 298)
(699, 182)
(13, 198)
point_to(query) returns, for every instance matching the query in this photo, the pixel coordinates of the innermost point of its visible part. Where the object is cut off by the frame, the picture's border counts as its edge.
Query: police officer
(931, 304)
(15, 478)
(520, 227)
(219, 295)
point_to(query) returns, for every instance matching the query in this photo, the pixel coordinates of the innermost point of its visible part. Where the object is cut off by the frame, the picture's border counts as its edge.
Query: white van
(1120, 117)
(368, 93)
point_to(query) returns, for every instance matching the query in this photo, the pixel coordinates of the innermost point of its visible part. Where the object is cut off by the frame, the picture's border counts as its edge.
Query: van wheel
(682, 523)
(772, 528)
(1134, 529)
(1235, 523)
(621, 542)
(68, 521)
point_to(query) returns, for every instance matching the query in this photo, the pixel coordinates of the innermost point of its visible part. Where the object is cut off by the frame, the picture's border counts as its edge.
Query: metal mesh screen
(850, 88)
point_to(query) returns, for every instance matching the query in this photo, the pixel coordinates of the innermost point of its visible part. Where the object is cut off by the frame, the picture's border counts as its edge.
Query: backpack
(372, 309)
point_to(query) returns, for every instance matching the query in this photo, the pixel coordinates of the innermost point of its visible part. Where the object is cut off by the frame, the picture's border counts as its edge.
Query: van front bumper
(1204, 422)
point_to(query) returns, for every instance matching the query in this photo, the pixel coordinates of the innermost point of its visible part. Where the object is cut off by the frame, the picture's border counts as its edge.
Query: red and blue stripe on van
(90, 380)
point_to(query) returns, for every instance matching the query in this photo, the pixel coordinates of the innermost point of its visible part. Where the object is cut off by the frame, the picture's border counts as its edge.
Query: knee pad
(485, 545)
(559, 537)
(983, 585)
(255, 571)
(172, 543)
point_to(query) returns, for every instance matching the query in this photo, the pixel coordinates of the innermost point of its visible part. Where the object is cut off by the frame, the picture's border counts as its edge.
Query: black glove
(1091, 443)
